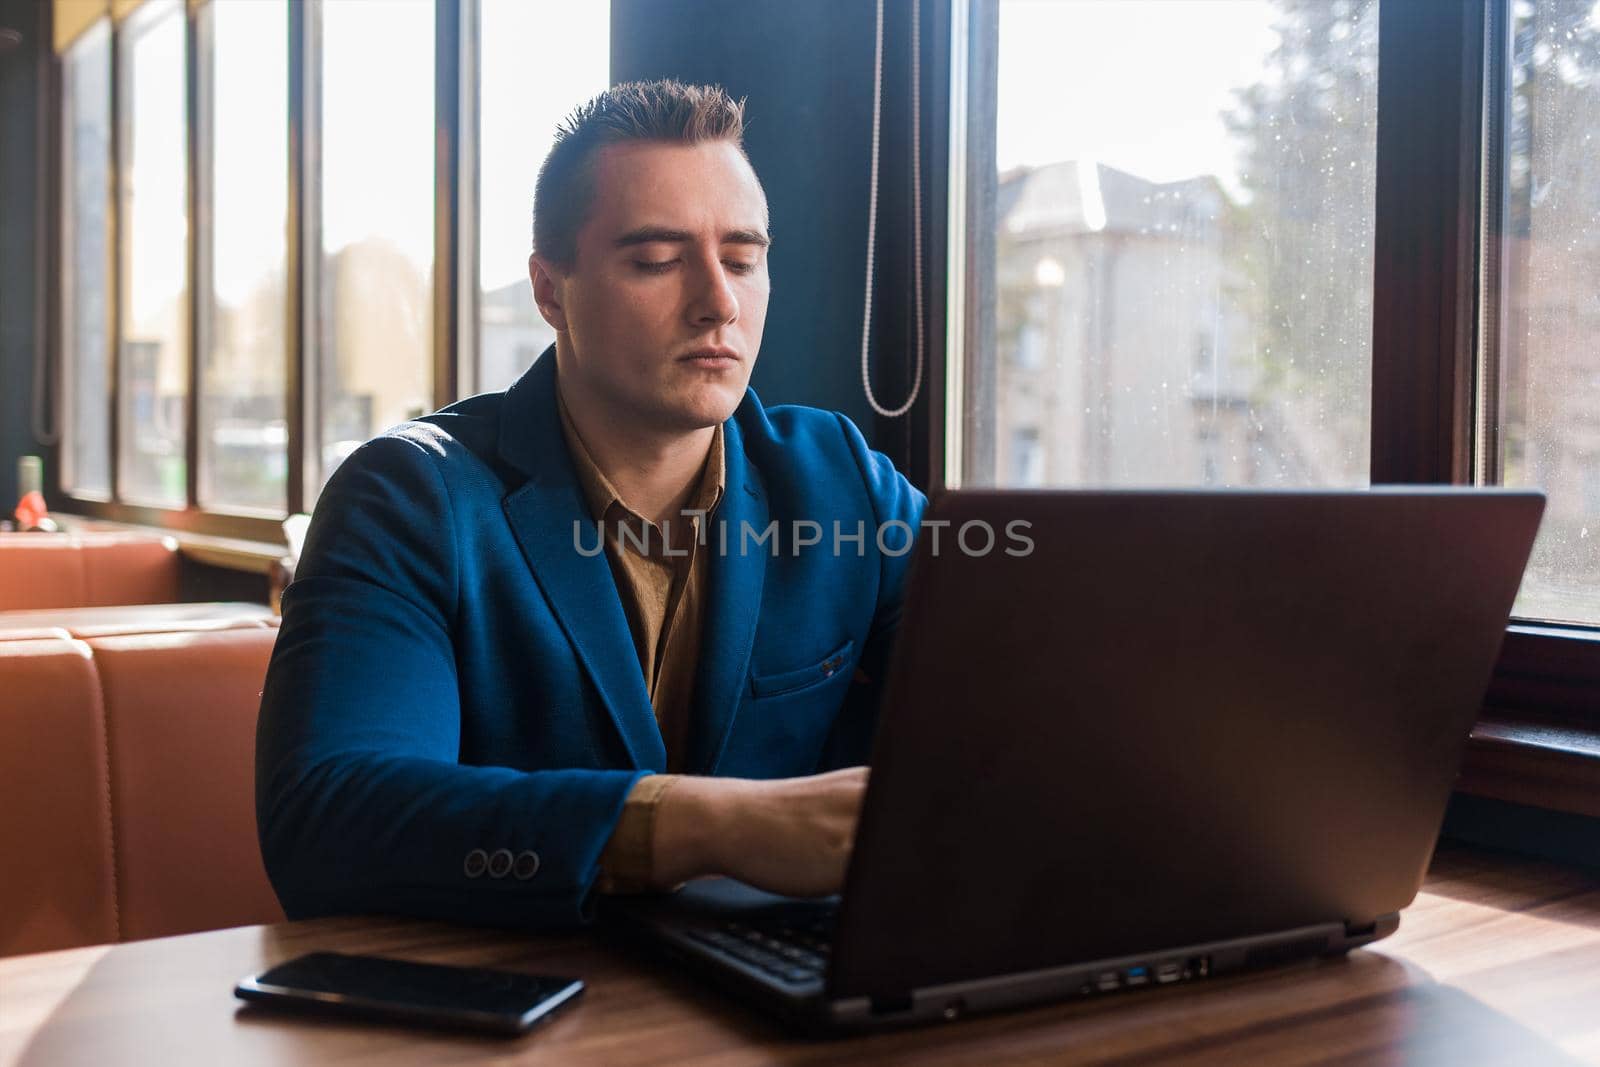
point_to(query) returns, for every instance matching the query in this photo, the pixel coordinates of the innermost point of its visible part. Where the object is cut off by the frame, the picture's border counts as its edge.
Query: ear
(547, 292)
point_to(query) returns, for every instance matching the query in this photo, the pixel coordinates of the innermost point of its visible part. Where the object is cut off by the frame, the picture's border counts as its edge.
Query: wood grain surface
(1497, 962)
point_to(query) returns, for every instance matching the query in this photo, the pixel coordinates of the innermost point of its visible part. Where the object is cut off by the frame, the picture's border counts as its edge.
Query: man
(513, 617)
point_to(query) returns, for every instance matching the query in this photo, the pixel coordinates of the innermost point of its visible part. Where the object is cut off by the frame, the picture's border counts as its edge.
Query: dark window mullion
(978, 384)
(304, 252)
(197, 82)
(925, 461)
(1430, 77)
(52, 201)
(447, 215)
(469, 200)
(296, 255)
(1488, 465)
(114, 280)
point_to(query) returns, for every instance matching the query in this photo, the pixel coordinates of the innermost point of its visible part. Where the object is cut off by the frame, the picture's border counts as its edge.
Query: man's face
(664, 307)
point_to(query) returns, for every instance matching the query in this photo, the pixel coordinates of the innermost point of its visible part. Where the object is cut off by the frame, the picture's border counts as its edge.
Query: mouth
(712, 357)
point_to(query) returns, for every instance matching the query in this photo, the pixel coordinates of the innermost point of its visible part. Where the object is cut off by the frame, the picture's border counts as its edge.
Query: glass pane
(1550, 303)
(521, 103)
(377, 220)
(85, 284)
(245, 118)
(1184, 245)
(153, 370)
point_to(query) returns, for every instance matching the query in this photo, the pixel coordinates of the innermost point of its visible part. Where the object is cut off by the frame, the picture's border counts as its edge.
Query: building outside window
(1223, 192)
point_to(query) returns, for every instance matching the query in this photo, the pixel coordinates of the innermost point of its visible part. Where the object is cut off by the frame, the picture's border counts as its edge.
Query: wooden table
(1498, 961)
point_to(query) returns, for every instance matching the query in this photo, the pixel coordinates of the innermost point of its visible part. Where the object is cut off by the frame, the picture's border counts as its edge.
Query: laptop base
(684, 926)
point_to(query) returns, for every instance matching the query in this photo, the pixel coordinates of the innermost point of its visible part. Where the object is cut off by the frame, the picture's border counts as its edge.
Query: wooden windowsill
(256, 557)
(1540, 764)
(229, 553)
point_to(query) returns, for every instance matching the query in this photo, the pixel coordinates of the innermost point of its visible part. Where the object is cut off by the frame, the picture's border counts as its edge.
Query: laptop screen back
(1175, 718)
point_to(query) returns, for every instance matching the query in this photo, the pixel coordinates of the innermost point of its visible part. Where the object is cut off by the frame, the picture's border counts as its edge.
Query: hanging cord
(916, 207)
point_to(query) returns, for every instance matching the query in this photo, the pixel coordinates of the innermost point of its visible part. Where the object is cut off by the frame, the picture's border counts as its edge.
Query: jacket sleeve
(894, 500)
(361, 803)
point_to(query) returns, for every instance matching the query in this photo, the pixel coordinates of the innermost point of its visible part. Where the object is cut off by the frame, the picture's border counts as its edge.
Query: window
(1224, 193)
(377, 221)
(1542, 418)
(243, 278)
(152, 364)
(1406, 346)
(85, 280)
(241, 337)
(521, 105)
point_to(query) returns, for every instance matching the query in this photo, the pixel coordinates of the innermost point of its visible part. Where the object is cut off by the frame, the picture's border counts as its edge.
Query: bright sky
(1135, 84)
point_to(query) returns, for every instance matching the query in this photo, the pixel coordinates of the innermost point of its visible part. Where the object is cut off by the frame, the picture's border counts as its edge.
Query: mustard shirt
(661, 580)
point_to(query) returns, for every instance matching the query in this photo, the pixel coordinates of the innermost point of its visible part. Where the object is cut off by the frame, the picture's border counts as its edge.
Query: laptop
(1183, 734)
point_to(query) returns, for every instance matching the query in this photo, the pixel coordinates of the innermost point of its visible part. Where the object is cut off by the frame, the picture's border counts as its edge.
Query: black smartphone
(425, 994)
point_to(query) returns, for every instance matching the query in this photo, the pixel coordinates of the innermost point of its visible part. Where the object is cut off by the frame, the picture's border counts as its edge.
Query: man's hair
(667, 112)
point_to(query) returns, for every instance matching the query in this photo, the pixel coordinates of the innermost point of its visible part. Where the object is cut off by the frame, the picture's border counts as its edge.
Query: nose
(714, 302)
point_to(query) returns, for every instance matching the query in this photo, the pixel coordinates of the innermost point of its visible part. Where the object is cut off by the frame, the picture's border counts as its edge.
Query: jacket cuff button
(500, 863)
(476, 863)
(527, 865)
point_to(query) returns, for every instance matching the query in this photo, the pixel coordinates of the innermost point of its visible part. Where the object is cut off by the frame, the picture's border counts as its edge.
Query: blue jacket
(454, 674)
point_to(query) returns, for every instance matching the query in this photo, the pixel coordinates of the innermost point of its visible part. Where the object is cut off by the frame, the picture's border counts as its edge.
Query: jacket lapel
(542, 513)
(734, 604)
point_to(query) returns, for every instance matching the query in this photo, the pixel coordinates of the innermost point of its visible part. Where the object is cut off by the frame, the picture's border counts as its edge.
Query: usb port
(1108, 981)
(1197, 967)
(1168, 972)
(1138, 976)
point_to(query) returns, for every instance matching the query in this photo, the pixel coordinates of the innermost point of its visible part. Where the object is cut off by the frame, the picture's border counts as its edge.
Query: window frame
(1538, 739)
(454, 202)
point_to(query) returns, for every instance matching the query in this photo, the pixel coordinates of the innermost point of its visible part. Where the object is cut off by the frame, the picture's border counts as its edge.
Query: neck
(655, 472)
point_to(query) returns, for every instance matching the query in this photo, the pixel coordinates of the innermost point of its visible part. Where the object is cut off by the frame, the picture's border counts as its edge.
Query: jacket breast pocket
(825, 669)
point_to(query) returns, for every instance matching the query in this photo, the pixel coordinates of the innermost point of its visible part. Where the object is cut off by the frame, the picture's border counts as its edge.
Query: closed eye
(661, 266)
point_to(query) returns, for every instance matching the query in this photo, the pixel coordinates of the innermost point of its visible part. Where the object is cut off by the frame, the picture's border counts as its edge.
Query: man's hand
(789, 835)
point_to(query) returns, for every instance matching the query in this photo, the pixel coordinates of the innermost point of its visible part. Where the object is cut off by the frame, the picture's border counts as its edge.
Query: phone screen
(429, 993)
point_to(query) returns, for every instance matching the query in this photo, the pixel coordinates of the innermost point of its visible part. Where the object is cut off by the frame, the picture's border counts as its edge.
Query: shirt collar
(601, 495)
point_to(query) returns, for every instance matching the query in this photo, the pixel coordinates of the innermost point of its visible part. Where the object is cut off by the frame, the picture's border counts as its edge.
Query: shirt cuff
(626, 865)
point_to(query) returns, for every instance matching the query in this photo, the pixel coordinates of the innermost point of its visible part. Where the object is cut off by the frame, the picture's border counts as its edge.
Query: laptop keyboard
(792, 950)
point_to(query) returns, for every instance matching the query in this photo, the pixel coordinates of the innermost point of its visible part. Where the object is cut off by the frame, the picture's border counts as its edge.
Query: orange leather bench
(86, 570)
(127, 799)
